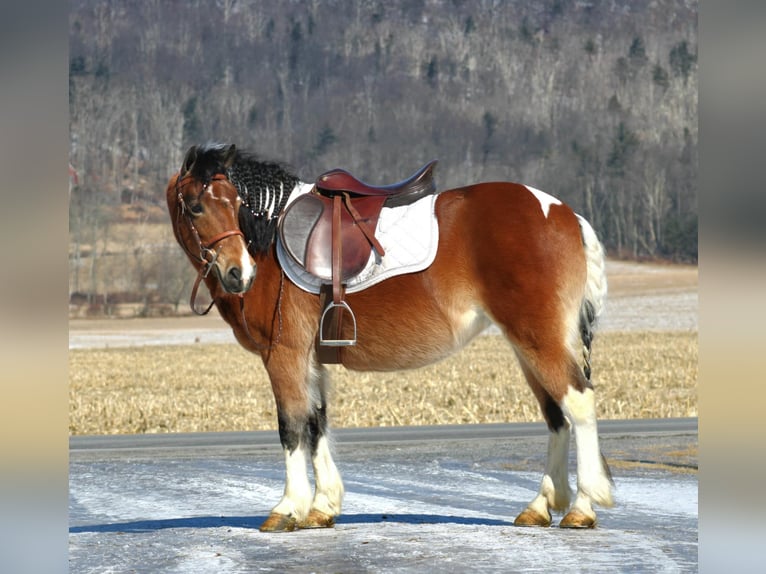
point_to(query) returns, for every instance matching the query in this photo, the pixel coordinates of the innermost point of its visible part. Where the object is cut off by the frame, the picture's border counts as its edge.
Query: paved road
(440, 499)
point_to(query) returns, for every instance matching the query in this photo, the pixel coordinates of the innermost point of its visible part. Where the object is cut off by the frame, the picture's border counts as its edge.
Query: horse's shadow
(253, 522)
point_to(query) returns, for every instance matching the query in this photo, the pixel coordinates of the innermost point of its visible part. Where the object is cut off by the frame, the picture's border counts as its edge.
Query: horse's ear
(229, 156)
(189, 159)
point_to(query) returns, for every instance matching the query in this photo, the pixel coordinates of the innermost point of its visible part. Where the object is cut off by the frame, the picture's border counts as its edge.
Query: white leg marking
(540, 503)
(297, 498)
(555, 493)
(592, 480)
(329, 486)
(555, 485)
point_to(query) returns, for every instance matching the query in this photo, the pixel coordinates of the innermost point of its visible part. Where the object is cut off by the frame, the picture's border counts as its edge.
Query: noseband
(207, 255)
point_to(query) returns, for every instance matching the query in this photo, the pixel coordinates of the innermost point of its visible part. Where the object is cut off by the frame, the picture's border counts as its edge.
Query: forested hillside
(594, 102)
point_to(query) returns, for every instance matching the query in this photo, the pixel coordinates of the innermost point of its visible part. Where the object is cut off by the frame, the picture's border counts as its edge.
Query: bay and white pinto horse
(507, 254)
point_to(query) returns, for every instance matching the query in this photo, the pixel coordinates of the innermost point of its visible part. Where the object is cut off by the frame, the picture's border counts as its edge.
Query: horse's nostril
(235, 273)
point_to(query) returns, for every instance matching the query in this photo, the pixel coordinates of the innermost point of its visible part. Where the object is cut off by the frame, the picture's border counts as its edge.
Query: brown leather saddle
(330, 232)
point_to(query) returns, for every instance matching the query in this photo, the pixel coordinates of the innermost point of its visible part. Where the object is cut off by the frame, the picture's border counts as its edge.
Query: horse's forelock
(211, 159)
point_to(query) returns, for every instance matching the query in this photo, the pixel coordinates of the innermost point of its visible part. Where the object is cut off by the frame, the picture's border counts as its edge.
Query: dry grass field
(221, 387)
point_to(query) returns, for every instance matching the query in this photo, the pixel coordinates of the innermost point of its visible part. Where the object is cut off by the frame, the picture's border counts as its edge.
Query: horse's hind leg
(567, 400)
(554, 493)
(594, 480)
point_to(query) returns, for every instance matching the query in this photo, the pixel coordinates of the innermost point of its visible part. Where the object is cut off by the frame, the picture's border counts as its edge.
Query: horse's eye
(196, 208)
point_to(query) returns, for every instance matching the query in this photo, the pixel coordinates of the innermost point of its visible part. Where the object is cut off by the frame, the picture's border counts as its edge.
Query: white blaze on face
(246, 264)
(545, 200)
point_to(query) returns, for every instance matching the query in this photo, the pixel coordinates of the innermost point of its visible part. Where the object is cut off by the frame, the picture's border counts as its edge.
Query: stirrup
(336, 342)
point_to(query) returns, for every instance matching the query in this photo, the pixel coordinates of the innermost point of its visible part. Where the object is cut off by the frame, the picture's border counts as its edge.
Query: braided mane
(264, 187)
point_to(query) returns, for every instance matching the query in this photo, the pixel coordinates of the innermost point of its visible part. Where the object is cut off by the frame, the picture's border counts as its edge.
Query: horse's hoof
(317, 519)
(532, 518)
(278, 523)
(577, 519)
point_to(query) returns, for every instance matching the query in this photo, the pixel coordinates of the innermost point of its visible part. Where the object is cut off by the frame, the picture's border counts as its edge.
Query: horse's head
(204, 208)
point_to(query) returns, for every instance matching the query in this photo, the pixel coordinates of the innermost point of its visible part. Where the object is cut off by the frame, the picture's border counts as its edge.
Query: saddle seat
(330, 232)
(407, 191)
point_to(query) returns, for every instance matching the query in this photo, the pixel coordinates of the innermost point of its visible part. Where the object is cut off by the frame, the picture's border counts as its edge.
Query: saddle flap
(306, 232)
(297, 223)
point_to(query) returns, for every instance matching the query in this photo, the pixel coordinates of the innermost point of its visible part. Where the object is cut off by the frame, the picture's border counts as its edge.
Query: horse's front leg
(303, 430)
(328, 496)
(296, 501)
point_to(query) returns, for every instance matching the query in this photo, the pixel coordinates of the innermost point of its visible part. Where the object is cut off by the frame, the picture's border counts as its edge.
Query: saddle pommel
(407, 191)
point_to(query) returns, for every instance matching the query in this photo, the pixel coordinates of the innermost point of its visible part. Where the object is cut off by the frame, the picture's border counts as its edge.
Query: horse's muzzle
(234, 282)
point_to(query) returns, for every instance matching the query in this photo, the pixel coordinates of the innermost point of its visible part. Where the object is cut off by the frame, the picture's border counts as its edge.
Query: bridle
(207, 255)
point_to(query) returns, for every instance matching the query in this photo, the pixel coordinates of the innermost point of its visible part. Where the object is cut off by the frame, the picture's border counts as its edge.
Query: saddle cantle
(330, 232)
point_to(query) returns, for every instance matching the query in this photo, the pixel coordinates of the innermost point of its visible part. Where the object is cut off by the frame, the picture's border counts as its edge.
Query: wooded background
(594, 102)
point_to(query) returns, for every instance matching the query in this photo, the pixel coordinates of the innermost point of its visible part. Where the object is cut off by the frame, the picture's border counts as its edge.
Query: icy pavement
(440, 499)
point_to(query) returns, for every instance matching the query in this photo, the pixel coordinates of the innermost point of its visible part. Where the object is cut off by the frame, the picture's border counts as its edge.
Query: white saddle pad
(409, 235)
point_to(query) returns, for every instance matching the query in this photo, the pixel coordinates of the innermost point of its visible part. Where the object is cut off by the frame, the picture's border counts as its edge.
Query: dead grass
(224, 388)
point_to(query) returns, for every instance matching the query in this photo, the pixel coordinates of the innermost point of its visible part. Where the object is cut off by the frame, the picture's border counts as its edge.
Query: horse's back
(505, 222)
(505, 253)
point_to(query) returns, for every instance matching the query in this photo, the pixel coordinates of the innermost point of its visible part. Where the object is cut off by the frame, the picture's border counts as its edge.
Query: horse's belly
(413, 341)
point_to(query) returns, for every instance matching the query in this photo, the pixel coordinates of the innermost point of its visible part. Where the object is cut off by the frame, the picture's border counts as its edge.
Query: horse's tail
(595, 288)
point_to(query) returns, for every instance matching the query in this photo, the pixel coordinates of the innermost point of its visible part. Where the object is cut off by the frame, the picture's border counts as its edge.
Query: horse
(507, 254)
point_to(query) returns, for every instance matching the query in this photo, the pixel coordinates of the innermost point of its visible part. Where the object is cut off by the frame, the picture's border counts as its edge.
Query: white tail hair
(594, 297)
(595, 287)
